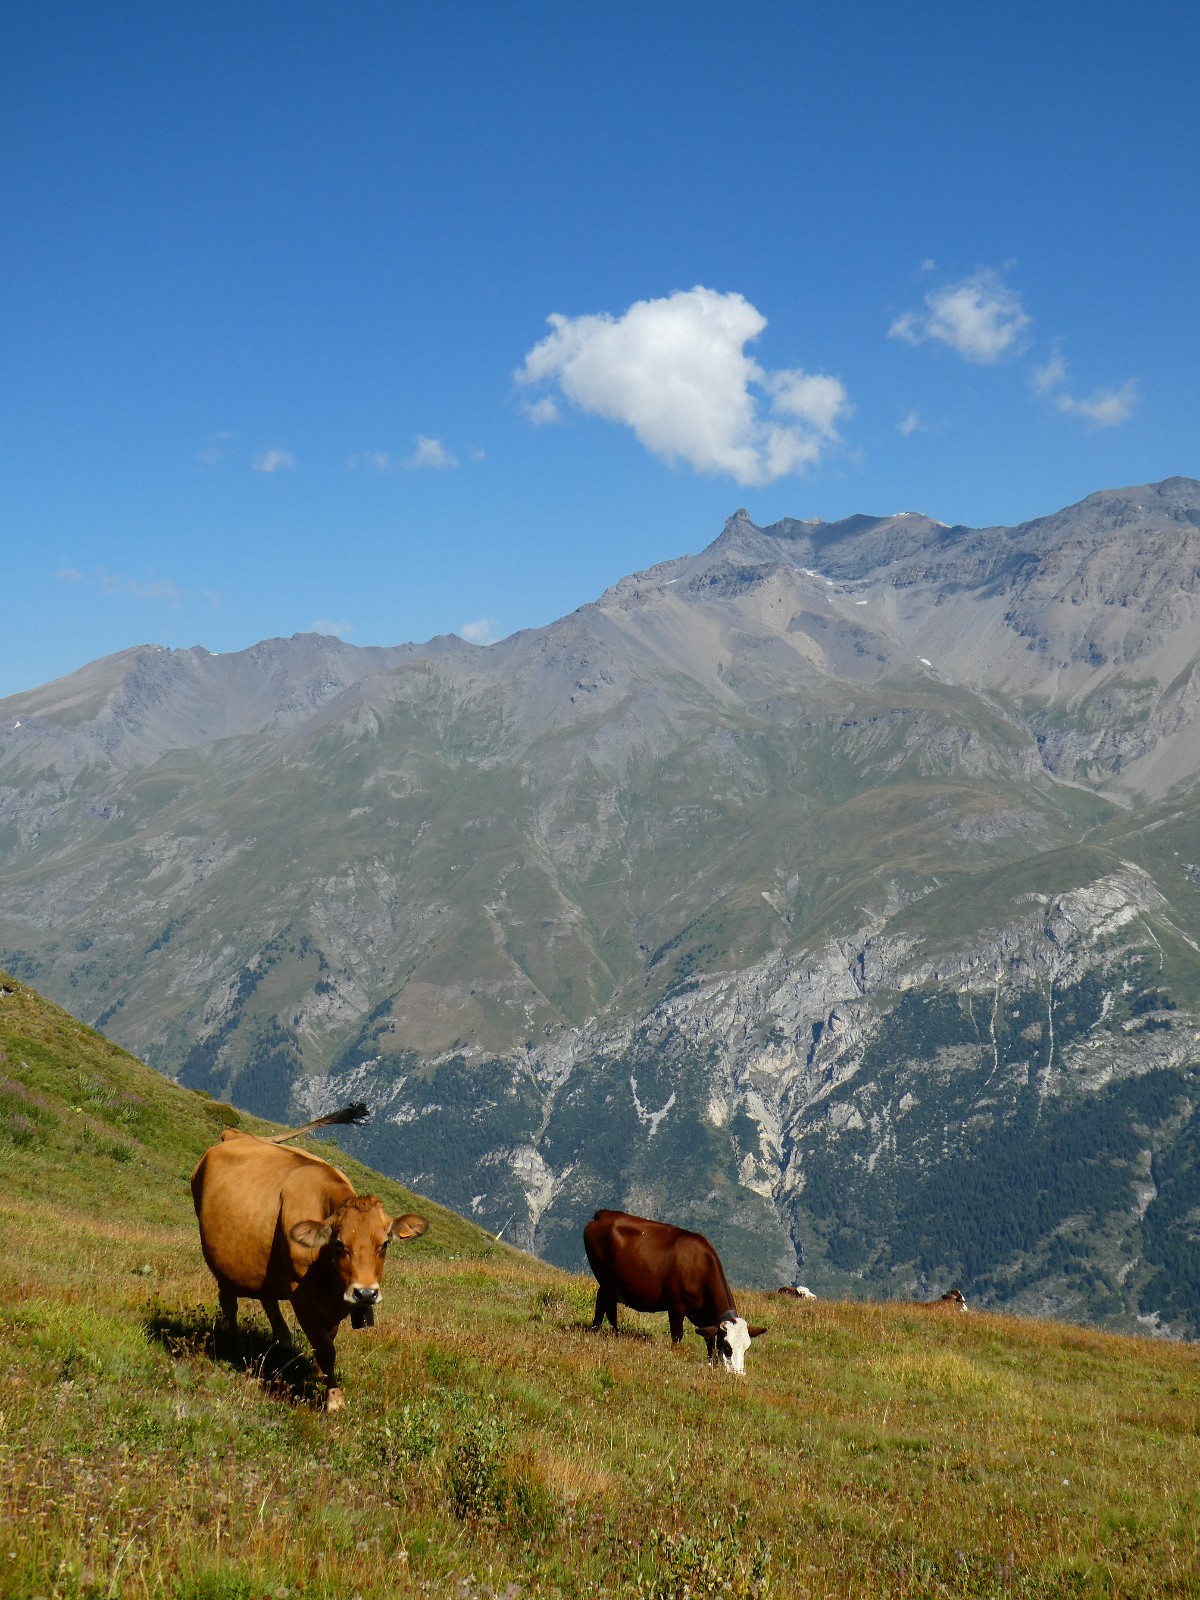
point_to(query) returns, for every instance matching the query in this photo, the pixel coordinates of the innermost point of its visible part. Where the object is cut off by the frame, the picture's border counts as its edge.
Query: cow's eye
(383, 1248)
(341, 1249)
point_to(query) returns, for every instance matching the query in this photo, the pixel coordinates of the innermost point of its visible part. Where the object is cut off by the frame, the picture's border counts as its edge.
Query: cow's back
(247, 1195)
(655, 1266)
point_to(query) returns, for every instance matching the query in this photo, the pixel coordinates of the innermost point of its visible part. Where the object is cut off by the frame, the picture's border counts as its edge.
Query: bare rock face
(835, 890)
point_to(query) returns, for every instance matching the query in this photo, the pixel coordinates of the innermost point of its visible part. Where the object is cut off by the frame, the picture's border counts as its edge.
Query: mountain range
(835, 891)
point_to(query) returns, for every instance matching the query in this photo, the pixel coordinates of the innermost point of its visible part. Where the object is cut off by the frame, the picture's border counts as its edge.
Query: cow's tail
(353, 1114)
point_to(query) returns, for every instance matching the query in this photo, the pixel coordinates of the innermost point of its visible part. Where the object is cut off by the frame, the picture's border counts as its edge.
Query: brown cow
(280, 1224)
(952, 1300)
(652, 1266)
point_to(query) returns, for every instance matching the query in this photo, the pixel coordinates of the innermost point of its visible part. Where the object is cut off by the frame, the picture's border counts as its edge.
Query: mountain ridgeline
(835, 891)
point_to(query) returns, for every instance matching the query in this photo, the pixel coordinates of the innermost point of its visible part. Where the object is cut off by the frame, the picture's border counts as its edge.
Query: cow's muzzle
(363, 1300)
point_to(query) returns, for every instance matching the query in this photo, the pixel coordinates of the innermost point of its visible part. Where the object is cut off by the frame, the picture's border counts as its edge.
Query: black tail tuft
(353, 1115)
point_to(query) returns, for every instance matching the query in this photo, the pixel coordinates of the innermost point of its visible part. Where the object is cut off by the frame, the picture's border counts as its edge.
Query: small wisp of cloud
(371, 461)
(274, 461)
(1105, 408)
(116, 586)
(430, 453)
(542, 413)
(485, 631)
(1051, 374)
(215, 449)
(909, 424)
(337, 630)
(113, 584)
(980, 318)
(676, 371)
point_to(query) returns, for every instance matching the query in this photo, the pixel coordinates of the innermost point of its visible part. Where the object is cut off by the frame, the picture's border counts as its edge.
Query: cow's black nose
(366, 1297)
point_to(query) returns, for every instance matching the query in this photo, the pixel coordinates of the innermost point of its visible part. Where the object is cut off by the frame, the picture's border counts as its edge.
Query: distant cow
(952, 1300)
(652, 1266)
(797, 1291)
(280, 1224)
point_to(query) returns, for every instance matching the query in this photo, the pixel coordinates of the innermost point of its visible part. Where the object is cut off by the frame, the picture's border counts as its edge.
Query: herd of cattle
(280, 1224)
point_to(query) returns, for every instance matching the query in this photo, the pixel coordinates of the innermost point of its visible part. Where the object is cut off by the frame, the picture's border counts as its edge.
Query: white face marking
(735, 1332)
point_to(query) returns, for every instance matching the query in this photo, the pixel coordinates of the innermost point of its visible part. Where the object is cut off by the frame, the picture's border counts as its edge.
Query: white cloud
(339, 630)
(430, 453)
(274, 461)
(910, 423)
(676, 371)
(485, 631)
(372, 461)
(69, 575)
(929, 264)
(1107, 408)
(980, 317)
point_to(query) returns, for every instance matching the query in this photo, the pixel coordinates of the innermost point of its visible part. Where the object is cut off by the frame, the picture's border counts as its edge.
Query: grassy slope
(871, 1451)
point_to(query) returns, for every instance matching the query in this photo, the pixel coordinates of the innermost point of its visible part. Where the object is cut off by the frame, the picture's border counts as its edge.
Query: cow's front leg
(675, 1318)
(227, 1295)
(320, 1336)
(279, 1327)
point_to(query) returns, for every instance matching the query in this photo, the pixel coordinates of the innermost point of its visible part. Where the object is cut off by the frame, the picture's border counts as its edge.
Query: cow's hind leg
(606, 1306)
(278, 1326)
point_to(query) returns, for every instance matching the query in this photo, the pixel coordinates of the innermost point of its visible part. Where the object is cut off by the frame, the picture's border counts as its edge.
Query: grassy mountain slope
(489, 1442)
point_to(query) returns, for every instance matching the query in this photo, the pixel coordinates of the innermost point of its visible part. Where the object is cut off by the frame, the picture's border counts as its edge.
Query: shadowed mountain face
(834, 890)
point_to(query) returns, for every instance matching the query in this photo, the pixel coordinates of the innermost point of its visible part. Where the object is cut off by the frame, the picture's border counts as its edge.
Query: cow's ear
(408, 1227)
(755, 1333)
(709, 1335)
(310, 1235)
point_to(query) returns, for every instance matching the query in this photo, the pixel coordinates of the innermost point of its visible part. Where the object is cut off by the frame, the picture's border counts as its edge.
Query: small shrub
(476, 1474)
(219, 1584)
(406, 1437)
(711, 1565)
(563, 1305)
(25, 1117)
(97, 1145)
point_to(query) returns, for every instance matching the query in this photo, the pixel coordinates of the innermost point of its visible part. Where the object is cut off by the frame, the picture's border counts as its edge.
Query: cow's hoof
(334, 1400)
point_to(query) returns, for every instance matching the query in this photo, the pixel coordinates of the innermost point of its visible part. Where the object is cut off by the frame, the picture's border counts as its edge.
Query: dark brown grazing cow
(798, 1291)
(280, 1224)
(652, 1266)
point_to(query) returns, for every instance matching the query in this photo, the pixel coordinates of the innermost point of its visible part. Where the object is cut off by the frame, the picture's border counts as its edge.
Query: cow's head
(728, 1342)
(954, 1300)
(354, 1241)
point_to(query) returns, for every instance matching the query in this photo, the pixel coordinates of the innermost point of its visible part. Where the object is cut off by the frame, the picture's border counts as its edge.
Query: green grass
(490, 1441)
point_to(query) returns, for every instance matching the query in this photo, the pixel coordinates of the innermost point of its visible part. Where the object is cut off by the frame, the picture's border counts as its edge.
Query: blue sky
(274, 297)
